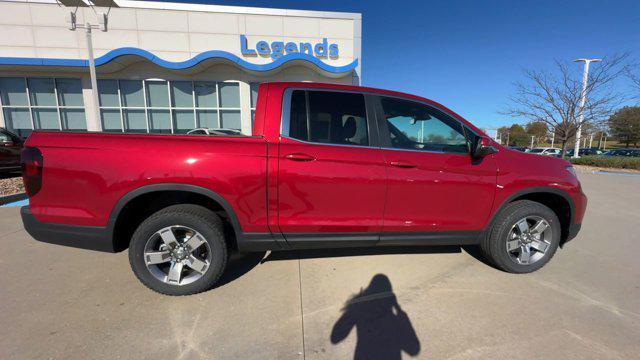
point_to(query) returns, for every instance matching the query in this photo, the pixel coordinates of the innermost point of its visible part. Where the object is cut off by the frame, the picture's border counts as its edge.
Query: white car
(545, 151)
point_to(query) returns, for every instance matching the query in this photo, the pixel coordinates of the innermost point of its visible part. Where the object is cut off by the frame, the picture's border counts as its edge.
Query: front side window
(416, 126)
(328, 117)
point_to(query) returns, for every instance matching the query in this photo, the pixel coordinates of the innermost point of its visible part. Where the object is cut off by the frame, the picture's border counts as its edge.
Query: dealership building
(160, 67)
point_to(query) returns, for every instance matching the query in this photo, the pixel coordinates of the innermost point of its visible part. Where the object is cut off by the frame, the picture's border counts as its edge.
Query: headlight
(571, 170)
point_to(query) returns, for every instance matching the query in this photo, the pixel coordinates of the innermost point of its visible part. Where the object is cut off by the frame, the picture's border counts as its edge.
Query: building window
(52, 104)
(172, 107)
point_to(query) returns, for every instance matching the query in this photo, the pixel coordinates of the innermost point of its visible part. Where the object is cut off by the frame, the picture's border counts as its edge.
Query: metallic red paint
(321, 188)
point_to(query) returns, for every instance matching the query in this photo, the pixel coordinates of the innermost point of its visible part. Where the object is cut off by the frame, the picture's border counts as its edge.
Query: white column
(2, 123)
(245, 107)
(90, 107)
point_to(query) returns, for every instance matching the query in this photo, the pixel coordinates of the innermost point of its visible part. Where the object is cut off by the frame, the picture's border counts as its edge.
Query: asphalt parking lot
(436, 303)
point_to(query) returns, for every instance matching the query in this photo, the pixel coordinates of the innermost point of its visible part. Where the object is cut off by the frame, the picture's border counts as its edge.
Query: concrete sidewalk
(438, 303)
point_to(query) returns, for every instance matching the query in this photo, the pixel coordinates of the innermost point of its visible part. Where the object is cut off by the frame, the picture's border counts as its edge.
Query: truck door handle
(402, 164)
(299, 157)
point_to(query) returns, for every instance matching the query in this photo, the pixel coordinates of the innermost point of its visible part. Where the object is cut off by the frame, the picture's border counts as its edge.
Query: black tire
(202, 220)
(494, 245)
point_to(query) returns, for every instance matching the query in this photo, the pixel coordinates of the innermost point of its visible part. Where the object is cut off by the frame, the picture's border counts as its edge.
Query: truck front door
(434, 185)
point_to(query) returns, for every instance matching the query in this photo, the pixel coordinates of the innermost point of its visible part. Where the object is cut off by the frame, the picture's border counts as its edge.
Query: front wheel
(179, 250)
(524, 237)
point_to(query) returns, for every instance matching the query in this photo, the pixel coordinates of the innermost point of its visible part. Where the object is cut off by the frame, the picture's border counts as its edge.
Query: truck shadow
(238, 265)
(241, 263)
(366, 251)
(383, 329)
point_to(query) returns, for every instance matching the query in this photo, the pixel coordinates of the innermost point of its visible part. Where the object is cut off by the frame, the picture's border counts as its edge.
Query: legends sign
(277, 49)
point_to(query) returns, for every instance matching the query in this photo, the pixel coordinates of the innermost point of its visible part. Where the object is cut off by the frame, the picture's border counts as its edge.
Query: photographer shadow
(383, 329)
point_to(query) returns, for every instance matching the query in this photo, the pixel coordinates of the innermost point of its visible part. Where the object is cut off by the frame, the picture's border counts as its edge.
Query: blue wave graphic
(180, 65)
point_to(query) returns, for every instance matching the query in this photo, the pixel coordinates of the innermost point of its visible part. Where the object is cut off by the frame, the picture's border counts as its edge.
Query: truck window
(328, 117)
(416, 126)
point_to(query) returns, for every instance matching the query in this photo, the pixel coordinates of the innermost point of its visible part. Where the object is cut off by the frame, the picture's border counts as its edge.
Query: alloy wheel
(177, 255)
(528, 240)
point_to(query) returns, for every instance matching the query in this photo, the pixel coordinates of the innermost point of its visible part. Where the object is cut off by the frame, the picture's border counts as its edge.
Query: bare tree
(633, 73)
(554, 98)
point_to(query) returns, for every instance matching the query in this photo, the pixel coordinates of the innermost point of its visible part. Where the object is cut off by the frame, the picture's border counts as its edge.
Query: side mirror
(482, 147)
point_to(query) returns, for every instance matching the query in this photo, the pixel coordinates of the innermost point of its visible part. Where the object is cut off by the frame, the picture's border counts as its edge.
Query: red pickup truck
(326, 166)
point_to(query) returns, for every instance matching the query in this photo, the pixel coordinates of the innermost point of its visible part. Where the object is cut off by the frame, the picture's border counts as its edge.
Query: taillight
(31, 162)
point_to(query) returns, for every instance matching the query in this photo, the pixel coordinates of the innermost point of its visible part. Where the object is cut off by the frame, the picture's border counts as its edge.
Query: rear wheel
(179, 250)
(524, 237)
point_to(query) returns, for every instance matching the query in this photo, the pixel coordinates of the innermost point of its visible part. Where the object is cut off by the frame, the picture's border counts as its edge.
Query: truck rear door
(331, 180)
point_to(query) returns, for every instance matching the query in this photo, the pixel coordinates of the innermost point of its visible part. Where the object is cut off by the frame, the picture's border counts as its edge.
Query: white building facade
(161, 67)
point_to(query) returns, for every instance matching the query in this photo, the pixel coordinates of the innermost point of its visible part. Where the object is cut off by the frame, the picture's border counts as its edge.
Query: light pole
(583, 98)
(532, 141)
(103, 19)
(92, 65)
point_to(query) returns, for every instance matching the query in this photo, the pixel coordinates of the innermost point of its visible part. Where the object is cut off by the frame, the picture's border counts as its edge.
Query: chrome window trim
(330, 144)
(466, 154)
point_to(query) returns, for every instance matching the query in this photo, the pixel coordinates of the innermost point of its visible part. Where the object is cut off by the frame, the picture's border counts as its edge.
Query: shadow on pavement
(383, 329)
(475, 252)
(239, 264)
(367, 251)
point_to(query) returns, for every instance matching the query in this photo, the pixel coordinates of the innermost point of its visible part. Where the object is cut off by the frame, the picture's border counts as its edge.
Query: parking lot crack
(304, 350)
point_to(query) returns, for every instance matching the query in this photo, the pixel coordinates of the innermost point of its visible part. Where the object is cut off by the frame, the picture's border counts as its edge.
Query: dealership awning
(121, 58)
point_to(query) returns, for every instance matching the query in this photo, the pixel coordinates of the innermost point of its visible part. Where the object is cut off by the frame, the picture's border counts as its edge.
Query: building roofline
(218, 9)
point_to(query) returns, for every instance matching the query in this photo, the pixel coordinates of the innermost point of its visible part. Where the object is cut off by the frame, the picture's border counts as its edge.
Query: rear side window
(416, 126)
(328, 117)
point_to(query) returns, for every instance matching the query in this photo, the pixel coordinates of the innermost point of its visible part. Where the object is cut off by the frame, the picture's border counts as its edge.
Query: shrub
(620, 162)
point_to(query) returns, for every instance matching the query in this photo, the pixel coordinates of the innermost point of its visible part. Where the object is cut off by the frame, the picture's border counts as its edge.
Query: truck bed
(85, 174)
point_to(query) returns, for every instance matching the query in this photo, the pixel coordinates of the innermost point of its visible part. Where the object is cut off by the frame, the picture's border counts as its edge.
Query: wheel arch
(119, 226)
(559, 201)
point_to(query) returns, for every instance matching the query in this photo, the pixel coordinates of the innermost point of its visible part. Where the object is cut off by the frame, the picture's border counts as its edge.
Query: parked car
(327, 166)
(585, 152)
(623, 152)
(10, 147)
(546, 151)
(519, 148)
(207, 131)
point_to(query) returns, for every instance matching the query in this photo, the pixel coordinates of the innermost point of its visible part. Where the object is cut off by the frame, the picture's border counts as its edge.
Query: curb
(12, 198)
